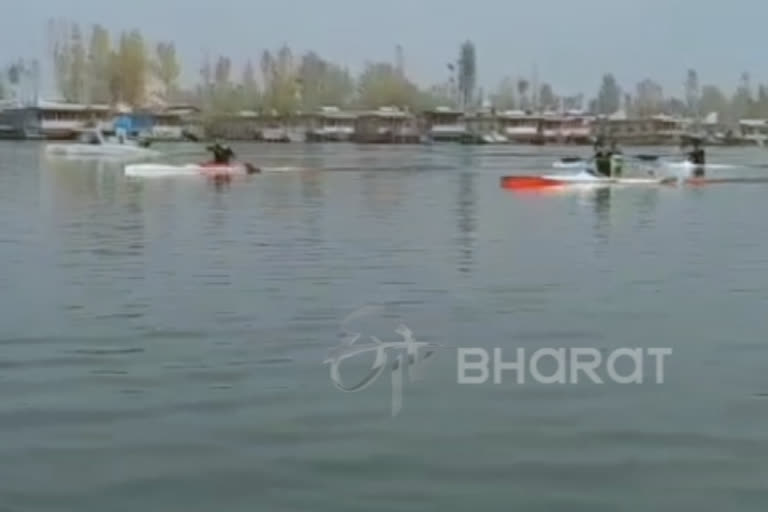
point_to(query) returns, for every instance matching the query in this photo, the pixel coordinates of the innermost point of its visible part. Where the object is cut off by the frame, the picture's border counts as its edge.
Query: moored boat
(93, 144)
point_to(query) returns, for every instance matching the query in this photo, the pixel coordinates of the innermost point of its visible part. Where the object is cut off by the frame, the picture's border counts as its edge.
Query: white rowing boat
(570, 163)
(157, 170)
(678, 166)
(685, 165)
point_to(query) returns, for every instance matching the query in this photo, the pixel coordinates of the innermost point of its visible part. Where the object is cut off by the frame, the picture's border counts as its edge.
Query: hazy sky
(572, 42)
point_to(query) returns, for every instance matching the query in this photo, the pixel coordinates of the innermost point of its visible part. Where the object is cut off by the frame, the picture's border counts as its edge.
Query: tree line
(95, 66)
(698, 100)
(287, 83)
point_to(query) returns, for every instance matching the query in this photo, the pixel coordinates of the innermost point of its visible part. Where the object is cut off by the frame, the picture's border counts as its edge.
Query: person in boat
(616, 157)
(602, 159)
(698, 158)
(221, 154)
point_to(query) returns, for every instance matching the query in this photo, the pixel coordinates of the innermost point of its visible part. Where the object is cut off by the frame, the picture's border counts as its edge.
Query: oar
(571, 161)
(193, 153)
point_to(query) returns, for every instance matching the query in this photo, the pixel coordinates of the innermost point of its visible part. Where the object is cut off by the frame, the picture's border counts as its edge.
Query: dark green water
(162, 343)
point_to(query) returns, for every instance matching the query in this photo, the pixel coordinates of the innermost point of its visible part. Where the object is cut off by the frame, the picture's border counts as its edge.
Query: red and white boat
(580, 179)
(586, 179)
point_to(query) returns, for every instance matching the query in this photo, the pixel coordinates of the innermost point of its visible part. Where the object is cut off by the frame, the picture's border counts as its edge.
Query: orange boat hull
(529, 182)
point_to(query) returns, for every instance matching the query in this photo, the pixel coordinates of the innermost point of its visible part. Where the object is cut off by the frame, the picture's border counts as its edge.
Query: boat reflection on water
(466, 221)
(74, 182)
(602, 201)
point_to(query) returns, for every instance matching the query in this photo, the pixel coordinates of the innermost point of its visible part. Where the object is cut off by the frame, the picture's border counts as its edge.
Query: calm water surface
(162, 342)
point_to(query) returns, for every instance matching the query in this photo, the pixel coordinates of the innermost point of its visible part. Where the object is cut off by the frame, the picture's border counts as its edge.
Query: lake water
(162, 342)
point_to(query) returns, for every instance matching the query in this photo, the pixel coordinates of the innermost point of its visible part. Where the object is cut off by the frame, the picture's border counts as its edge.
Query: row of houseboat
(56, 120)
(390, 125)
(53, 120)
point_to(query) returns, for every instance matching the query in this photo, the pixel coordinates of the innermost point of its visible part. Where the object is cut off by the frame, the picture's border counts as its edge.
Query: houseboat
(254, 126)
(445, 124)
(274, 127)
(574, 127)
(520, 126)
(176, 123)
(331, 124)
(19, 122)
(754, 130)
(656, 130)
(546, 127)
(274, 131)
(65, 121)
(244, 125)
(483, 128)
(387, 125)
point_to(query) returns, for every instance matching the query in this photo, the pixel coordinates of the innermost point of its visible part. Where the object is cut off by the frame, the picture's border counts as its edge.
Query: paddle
(646, 158)
(250, 169)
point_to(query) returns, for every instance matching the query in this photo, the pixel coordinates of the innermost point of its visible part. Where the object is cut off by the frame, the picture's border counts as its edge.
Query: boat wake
(285, 169)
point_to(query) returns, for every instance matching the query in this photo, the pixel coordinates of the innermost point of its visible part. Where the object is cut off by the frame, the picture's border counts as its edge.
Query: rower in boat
(698, 158)
(616, 158)
(602, 159)
(221, 154)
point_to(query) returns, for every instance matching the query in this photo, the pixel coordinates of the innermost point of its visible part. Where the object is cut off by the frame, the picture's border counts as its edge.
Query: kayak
(685, 165)
(579, 179)
(586, 179)
(674, 165)
(210, 169)
(575, 162)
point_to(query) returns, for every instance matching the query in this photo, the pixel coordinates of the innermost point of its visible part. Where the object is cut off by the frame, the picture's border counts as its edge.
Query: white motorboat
(93, 144)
